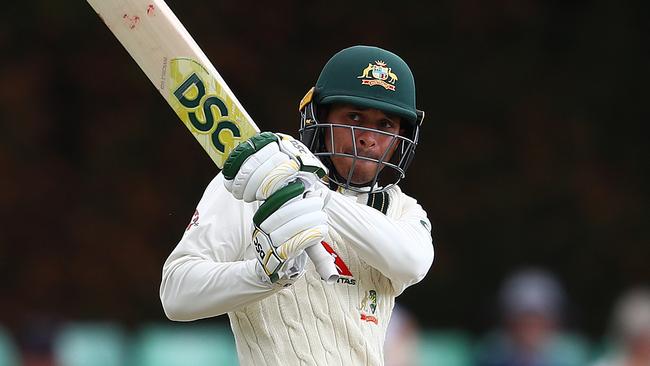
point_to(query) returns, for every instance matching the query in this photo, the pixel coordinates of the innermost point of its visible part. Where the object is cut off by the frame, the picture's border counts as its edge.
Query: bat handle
(323, 262)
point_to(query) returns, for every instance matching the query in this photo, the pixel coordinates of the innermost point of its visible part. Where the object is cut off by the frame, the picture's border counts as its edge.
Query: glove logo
(299, 146)
(258, 248)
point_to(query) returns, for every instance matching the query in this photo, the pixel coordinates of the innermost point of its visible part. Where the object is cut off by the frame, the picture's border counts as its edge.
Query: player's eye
(353, 116)
(387, 124)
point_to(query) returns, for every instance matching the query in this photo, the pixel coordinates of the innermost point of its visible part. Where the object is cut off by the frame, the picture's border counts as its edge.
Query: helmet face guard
(390, 167)
(371, 78)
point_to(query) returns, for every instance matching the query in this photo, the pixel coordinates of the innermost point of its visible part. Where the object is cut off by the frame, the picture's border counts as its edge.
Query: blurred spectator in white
(532, 304)
(400, 346)
(630, 330)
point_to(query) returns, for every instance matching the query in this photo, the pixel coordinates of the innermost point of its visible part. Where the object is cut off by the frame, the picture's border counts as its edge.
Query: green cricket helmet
(367, 77)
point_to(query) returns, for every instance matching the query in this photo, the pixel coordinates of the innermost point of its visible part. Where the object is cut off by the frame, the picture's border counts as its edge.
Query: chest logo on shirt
(368, 307)
(345, 276)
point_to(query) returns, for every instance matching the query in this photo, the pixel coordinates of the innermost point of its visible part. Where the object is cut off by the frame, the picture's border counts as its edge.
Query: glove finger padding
(285, 225)
(265, 163)
(301, 224)
(277, 200)
(291, 211)
(253, 171)
(257, 176)
(244, 150)
(278, 178)
(303, 240)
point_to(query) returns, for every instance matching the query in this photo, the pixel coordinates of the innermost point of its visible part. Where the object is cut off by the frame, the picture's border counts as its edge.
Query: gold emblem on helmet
(378, 74)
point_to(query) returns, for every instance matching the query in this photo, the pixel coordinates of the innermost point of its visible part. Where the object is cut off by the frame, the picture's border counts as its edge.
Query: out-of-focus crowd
(533, 331)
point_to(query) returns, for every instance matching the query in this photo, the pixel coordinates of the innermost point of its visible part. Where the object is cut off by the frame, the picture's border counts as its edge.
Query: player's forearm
(196, 288)
(401, 249)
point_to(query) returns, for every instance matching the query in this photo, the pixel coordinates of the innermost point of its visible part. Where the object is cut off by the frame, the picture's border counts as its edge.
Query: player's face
(368, 143)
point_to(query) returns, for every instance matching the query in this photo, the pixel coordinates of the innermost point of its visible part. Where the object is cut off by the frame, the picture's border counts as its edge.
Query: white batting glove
(266, 162)
(285, 225)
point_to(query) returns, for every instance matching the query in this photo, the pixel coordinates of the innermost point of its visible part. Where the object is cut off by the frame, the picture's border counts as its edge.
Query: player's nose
(365, 139)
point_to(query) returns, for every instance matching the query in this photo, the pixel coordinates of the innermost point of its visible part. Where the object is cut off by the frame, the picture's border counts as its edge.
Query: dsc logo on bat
(194, 98)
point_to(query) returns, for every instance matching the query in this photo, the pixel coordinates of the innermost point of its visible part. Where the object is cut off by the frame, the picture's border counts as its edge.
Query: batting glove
(266, 162)
(285, 225)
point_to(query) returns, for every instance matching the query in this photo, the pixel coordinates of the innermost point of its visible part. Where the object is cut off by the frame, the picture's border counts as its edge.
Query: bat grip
(323, 262)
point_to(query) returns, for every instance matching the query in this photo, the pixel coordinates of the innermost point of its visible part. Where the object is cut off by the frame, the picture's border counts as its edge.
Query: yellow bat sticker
(210, 115)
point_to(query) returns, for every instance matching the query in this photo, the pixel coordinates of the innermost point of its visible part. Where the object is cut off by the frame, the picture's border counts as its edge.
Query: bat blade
(182, 73)
(188, 81)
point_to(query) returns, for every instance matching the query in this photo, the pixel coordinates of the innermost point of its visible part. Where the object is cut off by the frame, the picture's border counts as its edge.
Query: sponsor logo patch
(345, 276)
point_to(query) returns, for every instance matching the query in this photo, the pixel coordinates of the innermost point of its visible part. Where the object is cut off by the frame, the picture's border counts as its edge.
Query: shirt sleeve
(400, 248)
(207, 273)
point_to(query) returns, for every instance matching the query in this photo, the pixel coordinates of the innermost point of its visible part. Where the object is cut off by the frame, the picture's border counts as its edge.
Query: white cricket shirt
(212, 272)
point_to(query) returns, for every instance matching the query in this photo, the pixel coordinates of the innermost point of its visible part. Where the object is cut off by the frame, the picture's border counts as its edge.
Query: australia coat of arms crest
(378, 74)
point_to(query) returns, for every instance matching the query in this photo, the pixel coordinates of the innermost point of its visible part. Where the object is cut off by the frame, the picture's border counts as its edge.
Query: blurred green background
(534, 150)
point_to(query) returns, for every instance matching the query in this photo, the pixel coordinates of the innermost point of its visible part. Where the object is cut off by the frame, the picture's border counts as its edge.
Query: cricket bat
(188, 81)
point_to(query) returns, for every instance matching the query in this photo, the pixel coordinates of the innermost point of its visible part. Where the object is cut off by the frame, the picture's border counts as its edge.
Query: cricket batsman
(243, 252)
